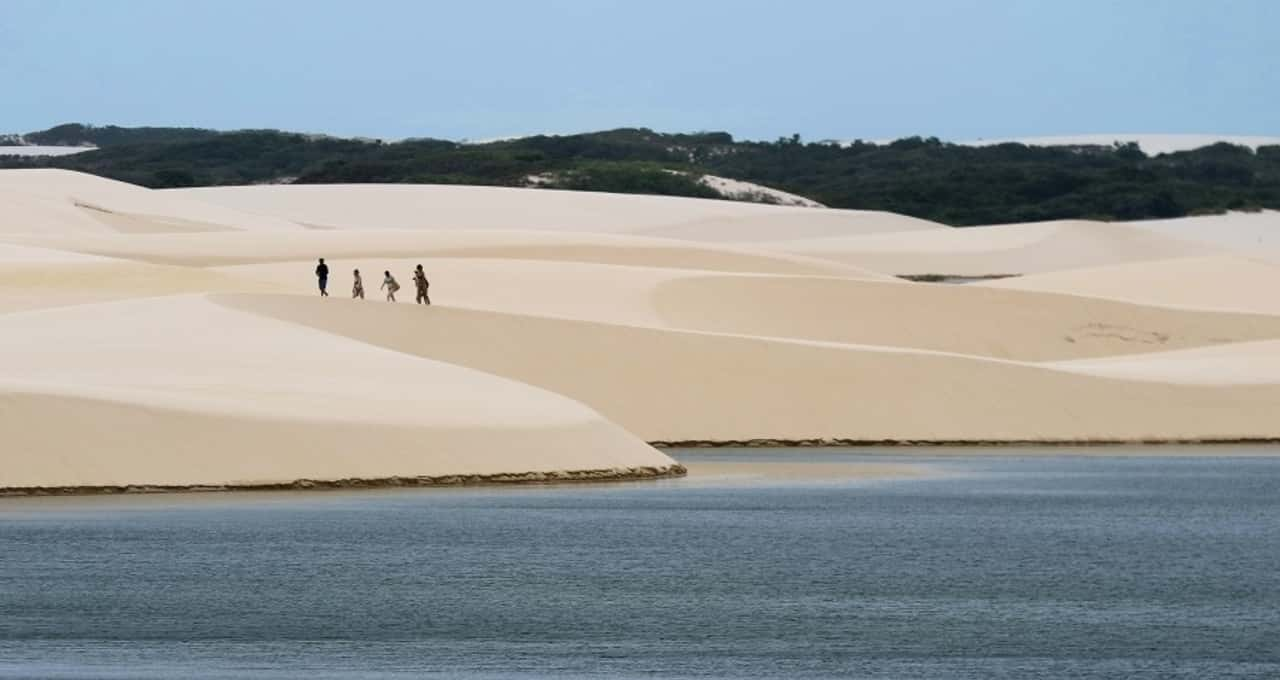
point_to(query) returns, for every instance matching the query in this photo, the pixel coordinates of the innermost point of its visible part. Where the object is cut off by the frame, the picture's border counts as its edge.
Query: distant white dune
(1258, 233)
(1149, 143)
(44, 150)
(737, 189)
(418, 207)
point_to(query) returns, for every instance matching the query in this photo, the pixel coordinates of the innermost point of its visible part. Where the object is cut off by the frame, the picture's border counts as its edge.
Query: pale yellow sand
(813, 224)
(671, 385)
(896, 313)
(1254, 234)
(1002, 249)
(14, 255)
(1221, 282)
(59, 201)
(212, 249)
(562, 289)
(1245, 363)
(203, 356)
(35, 285)
(402, 206)
(28, 213)
(34, 278)
(949, 318)
(179, 391)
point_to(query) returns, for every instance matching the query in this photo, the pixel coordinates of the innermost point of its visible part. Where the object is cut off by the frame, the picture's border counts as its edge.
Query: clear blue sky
(475, 69)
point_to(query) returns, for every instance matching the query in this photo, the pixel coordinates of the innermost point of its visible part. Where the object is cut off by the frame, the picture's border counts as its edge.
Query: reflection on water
(981, 568)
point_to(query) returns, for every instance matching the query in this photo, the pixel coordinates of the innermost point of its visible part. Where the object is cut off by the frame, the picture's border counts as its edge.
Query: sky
(760, 69)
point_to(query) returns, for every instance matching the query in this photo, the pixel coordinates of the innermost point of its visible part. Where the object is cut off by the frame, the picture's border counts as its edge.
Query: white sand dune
(38, 150)
(401, 206)
(1256, 234)
(94, 396)
(35, 278)
(1000, 249)
(740, 190)
(1246, 363)
(748, 229)
(13, 254)
(29, 285)
(213, 249)
(176, 339)
(558, 289)
(1032, 326)
(961, 319)
(46, 201)
(678, 386)
(1220, 282)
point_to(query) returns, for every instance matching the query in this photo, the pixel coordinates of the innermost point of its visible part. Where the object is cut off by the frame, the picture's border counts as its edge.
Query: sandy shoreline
(504, 479)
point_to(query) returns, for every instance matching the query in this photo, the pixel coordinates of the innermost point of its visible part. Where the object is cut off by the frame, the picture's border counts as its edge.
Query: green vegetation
(925, 178)
(1015, 183)
(75, 134)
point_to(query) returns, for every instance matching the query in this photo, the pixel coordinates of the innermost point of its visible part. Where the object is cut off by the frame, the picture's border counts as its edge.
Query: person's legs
(323, 283)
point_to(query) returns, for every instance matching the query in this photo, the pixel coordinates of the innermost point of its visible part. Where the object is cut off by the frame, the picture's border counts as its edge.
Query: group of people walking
(389, 283)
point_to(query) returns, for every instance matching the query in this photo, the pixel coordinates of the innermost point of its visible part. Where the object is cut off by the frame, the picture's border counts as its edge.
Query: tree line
(922, 177)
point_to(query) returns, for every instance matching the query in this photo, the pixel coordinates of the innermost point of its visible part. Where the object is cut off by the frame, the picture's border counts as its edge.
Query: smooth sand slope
(1246, 363)
(213, 249)
(180, 391)
(749, 229)
(1255, 234)
(170, 339)
(679, 386)
(400, 206)
(1220, 282)
(995, 250)
(37, 286)
(948, 318)
(34, 278)
(60, 201)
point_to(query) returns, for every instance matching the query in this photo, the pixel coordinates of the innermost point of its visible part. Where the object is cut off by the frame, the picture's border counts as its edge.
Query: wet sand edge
(500, 479)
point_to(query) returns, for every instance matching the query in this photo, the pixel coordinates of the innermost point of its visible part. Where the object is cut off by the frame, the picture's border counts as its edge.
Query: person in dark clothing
(322, 273)
(421, 283)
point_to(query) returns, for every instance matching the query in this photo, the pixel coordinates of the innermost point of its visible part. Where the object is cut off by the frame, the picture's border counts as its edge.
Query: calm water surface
(1054, 567)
